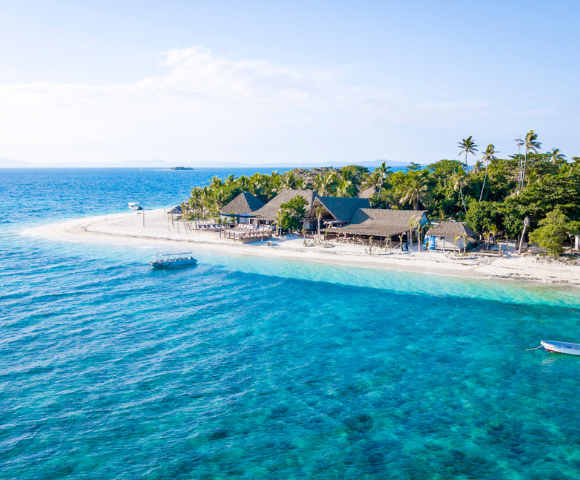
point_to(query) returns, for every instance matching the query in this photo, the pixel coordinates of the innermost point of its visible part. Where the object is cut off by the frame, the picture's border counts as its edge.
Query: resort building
(338, 210)
(383, 224)
(242, 208)
(343, 217)
(449, 236)
(269, 212)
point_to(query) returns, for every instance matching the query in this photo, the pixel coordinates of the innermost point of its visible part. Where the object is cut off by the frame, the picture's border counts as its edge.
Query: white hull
(562, 347)
(175, 263)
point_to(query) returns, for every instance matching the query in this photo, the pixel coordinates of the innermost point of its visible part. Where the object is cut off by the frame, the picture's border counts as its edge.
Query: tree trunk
(462, 200)
(522, 238)
(483, 186)
(466, 164)
(524, 169)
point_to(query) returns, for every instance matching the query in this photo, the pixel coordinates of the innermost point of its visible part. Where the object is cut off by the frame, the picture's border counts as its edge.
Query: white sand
(128, 227)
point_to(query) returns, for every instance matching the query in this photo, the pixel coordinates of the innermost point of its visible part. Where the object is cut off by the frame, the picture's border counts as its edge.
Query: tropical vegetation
(493, 195)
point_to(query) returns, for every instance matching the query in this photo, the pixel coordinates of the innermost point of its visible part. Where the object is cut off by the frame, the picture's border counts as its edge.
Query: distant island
(180, 168)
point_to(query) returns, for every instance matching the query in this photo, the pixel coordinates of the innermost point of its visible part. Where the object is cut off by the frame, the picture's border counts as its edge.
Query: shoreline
(127, 228)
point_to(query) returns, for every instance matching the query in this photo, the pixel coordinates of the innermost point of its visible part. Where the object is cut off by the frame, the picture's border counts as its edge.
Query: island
(180, 168)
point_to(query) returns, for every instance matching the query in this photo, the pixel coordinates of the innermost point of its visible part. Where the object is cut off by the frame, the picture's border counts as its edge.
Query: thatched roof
(451, 229)
(175, 210)
(270, 210)
(244, 203)
(341, 208)
(380, 222)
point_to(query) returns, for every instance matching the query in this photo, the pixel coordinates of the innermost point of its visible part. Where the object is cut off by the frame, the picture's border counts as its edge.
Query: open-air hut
(242, 208)
(383, 224)
(338, 210)
(443, 236)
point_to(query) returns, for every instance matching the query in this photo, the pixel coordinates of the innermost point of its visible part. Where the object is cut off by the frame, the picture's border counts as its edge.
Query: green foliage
(494, 196)
(512, 218)
(292, 213)
(560, 191)
(484, 217)
(553, 231)
(413, 167)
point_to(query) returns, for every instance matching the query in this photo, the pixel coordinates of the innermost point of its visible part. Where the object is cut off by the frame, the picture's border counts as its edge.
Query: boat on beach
(134, 206)
(179, 259)
(561, 347)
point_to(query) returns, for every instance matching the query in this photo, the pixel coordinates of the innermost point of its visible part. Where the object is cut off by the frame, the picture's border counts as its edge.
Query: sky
(293, 82)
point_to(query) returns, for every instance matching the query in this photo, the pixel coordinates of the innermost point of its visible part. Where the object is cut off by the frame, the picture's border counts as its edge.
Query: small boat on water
(180, 259)
(561, 347)
(134, 206)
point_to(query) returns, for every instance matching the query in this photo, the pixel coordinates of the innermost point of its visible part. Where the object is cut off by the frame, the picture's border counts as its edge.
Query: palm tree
(464, 237)
(195, 200)
(526, 224)
(415, 223)
(415, 189)
(532, 145)
(230, 180)
(300, 184)
(372, 180)
(216, 182)
(520, 143)
(488, 157)
(384, 172)
(244, 182)
(319, 212)
(289, 180)
(533, 176)
(556, 155)
(345, 188)
(467, 145)
(459, 180)
(204, 200)
(324, 183)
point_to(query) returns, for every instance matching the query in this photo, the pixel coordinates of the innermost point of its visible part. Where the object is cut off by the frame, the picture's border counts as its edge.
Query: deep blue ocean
(260, 368)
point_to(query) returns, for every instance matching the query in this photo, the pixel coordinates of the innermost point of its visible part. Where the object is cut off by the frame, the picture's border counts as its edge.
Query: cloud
(203, 107)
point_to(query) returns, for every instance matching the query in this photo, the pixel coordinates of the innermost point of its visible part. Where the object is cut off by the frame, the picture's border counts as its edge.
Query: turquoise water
(261, 368)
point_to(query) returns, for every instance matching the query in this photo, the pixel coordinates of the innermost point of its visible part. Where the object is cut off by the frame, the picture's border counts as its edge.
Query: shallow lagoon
(245, 367)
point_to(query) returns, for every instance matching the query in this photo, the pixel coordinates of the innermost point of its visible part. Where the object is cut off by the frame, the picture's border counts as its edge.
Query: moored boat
(179, 259)
(561, 347)
(134, 206)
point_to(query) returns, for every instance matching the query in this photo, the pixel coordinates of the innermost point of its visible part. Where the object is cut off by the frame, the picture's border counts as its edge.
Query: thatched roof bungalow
(382, 222)
(269, 212)
(339, 210)
(242, 207)
(442, 236)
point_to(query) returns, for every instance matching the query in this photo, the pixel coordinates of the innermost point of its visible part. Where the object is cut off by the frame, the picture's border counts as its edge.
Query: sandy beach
(159, 231)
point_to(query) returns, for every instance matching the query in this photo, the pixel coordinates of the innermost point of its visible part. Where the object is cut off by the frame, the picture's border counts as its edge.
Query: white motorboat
(134, 206)
(561, 347)
(179, 259)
